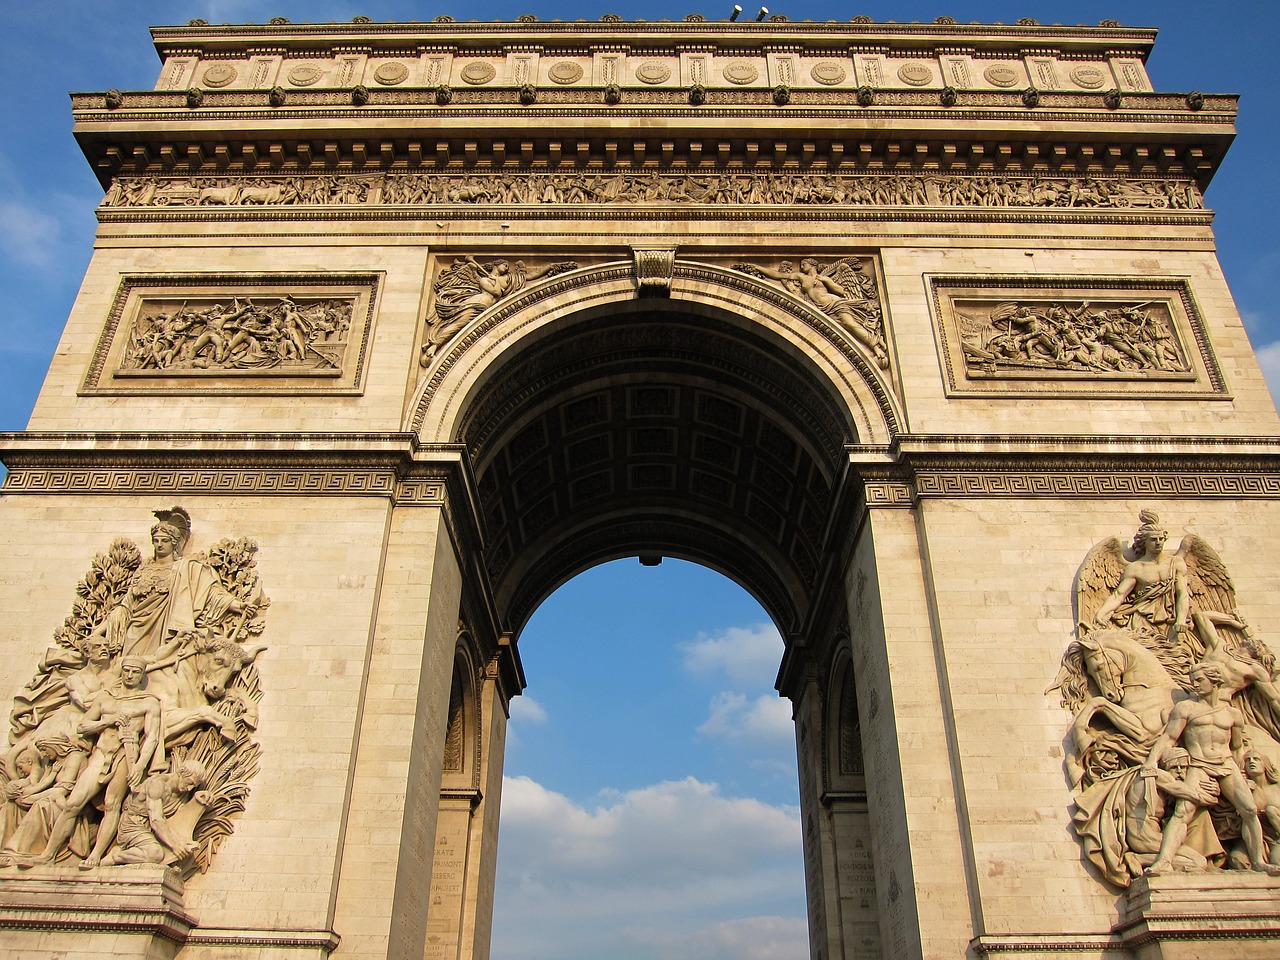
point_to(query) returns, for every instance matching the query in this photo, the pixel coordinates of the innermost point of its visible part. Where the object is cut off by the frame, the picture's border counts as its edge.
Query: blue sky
(656, 816)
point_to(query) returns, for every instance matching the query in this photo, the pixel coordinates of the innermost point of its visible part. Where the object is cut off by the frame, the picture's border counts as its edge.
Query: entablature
(696, 94)
(150, 133)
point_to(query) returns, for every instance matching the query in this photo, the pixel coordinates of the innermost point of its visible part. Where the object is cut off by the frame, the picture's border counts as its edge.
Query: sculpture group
(223, 335)
(132, 743)
(1115, 338)
(1174, 750)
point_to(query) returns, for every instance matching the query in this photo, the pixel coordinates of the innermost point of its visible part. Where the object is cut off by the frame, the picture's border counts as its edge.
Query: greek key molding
(1103, 484)
(421, 492)
(195, 480)
(890, 493)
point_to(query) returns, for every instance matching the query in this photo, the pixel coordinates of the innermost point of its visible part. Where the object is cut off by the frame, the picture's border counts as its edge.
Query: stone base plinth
(127, 913)
(1225, 915)
(1230, 914)
(50, 911)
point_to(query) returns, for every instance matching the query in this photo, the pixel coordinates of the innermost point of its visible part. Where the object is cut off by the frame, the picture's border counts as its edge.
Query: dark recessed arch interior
(648, 430)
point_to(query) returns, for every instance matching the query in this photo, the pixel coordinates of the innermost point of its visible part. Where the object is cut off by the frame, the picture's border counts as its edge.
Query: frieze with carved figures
(933, 190)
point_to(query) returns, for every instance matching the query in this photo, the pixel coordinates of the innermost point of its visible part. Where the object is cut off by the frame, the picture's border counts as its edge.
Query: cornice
(503, 101)
(777, 30)
(405, 129)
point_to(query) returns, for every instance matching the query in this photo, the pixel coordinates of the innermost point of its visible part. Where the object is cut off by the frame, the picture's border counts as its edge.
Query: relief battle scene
(225, 336)
(1072, 337)
(235, 334)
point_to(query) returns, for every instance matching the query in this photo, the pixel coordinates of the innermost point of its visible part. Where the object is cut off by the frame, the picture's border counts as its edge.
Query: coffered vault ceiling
(652, 432)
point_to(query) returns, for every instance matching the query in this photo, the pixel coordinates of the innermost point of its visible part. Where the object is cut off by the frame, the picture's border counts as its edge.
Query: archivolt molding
(438, 407)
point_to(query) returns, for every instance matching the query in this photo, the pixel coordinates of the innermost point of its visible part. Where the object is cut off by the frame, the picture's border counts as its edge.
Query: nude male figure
(1211, 731)
(127, 722)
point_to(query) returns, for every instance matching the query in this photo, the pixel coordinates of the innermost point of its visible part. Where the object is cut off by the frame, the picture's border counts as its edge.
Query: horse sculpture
(1136, 693)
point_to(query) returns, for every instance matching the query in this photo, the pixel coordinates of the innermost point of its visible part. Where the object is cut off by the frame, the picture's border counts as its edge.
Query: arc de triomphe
(916, 331)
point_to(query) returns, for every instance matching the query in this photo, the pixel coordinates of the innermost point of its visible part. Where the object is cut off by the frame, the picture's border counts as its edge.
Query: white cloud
(672, 861)
(525, 709)
(766, 719)
(1269, 358)
(745, 654)
(27, 234)
(748, 938)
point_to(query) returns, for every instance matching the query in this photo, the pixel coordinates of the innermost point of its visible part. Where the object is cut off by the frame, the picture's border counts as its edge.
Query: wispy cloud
(748, 938)
(610, 879)
(765, 719)
(525, 709)
(28, 235)
(744, 654)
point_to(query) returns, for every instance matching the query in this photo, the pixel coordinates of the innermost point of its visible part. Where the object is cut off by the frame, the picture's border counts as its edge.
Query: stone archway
(600, 424)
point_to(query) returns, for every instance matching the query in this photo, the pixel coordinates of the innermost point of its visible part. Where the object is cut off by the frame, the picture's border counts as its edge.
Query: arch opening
(651, 789)
(673, 429)
(656, 432)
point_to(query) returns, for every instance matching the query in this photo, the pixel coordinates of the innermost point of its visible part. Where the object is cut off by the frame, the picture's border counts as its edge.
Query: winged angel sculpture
(842, 290)
(1174, 747)
(133, 742)
(467, 288)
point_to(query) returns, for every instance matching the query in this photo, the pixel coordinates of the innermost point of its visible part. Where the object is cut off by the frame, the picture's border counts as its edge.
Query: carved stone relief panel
(465, 288)
(1072, 336)
(133, 742)
(819, 189)
(229, 334)
(1174, 744)
(845, 290)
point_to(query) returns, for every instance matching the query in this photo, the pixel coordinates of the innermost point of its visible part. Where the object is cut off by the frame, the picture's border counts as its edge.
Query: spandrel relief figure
(1169, 690)
(155, 679)
(1079, 337)
(843, 290)
(467, 288)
